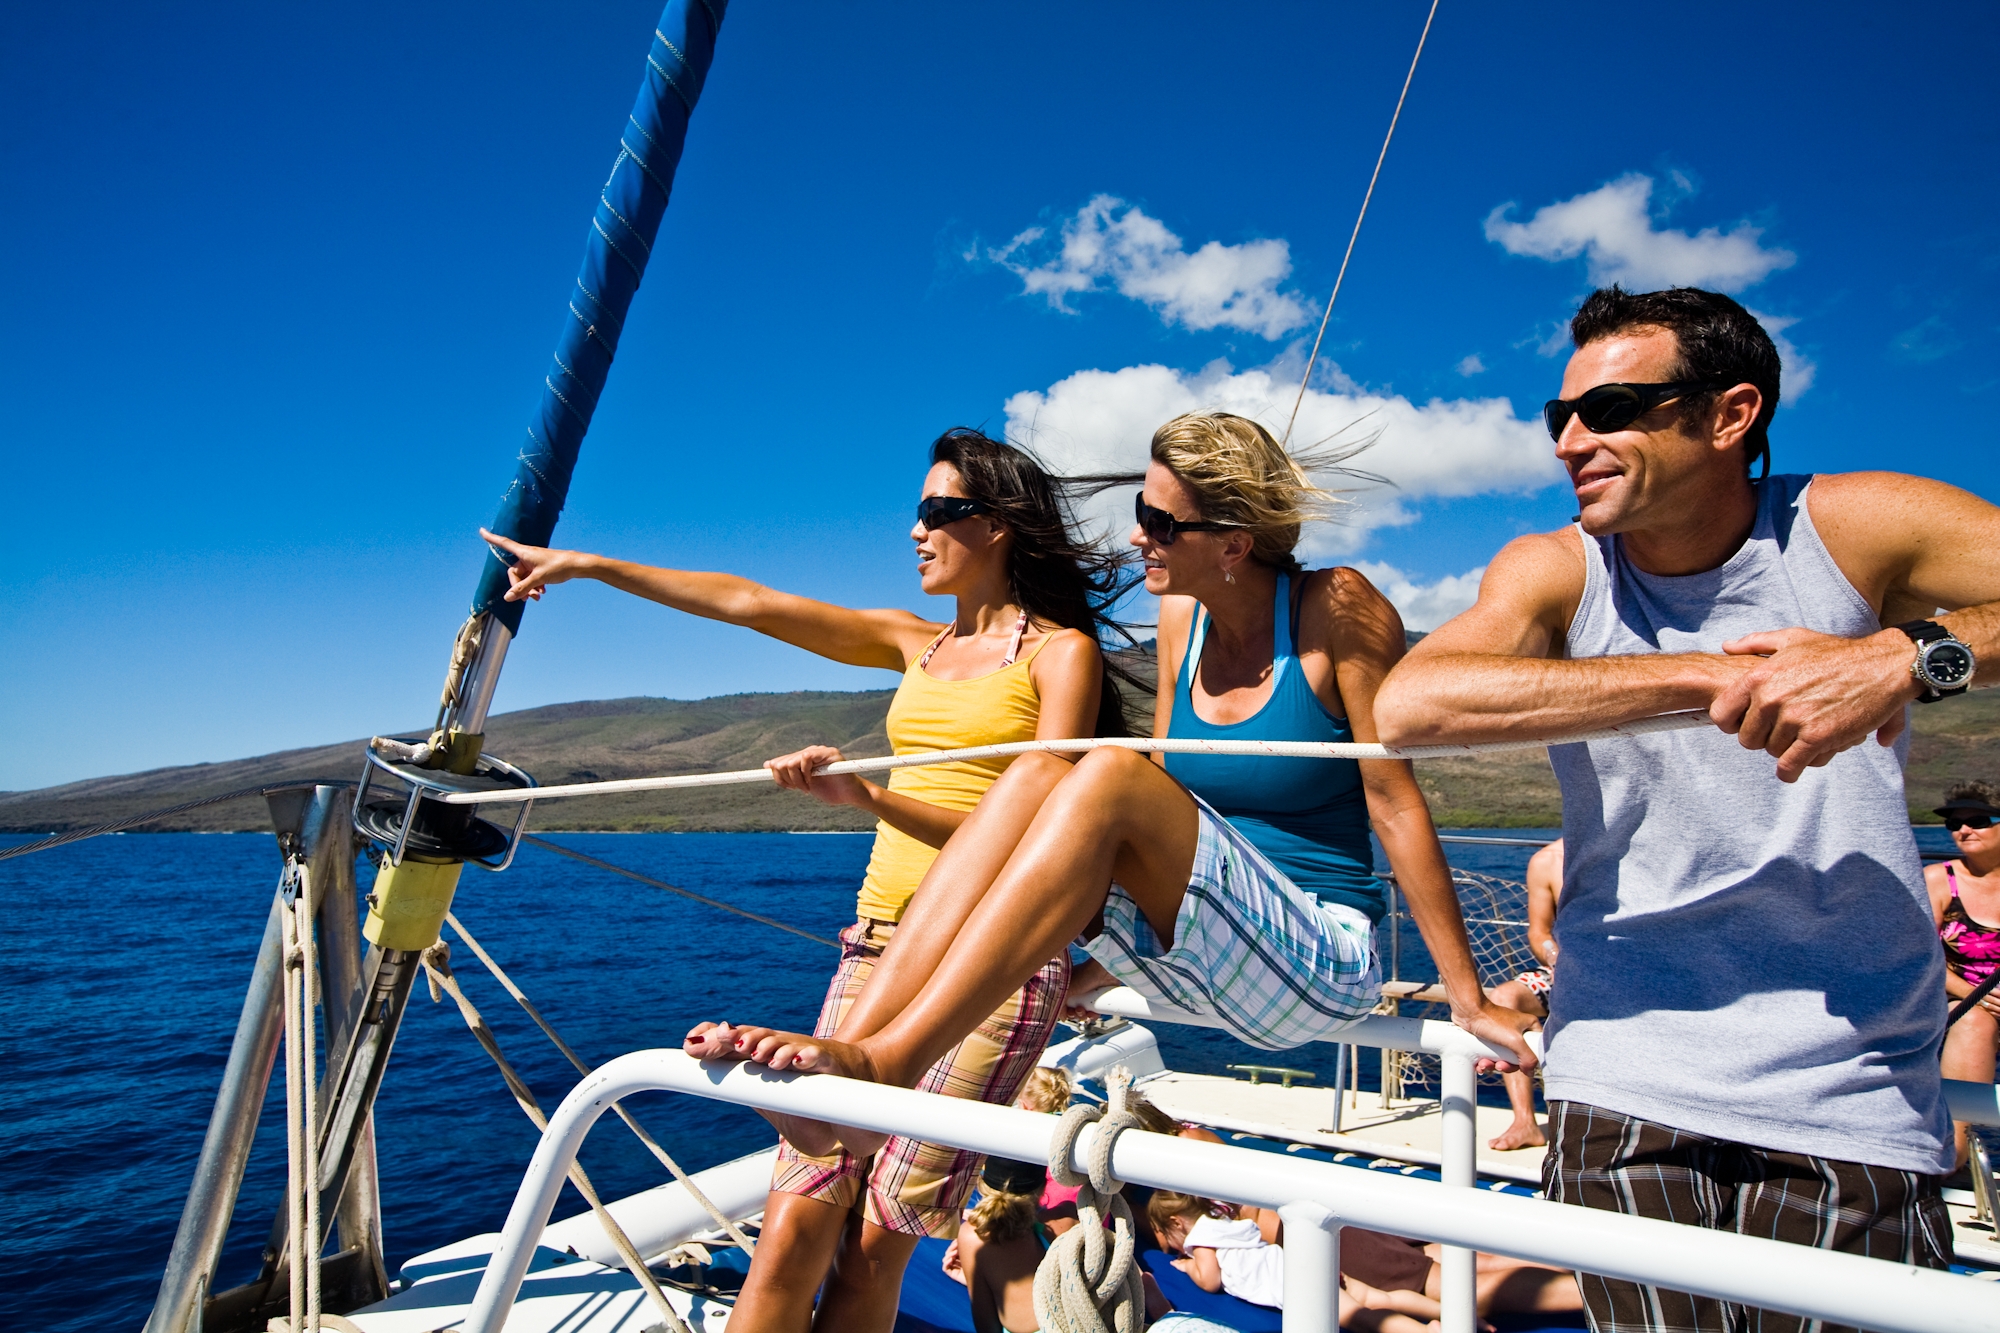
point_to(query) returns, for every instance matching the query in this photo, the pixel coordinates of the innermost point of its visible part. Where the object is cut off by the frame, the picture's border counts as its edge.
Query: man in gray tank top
(1749, 997)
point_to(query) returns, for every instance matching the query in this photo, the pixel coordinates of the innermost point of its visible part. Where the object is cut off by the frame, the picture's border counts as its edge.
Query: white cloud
(1218, 286)
(1424, 606)
(1471, 366)
(1100, 421)
(1612, 226)
(1799, 369)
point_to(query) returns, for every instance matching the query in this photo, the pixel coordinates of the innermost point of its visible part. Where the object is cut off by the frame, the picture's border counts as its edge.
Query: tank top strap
(1197, 635)
(1951, 878)
(1283, 644)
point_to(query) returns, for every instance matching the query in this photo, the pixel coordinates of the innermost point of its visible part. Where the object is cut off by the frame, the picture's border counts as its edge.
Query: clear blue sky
(278, 286)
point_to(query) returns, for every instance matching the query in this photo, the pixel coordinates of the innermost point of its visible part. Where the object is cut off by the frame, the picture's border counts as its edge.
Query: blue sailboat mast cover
(614, 259)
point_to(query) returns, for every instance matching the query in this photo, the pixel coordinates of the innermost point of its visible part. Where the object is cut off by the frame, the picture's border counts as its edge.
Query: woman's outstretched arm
(1366, 639)
(880, 638)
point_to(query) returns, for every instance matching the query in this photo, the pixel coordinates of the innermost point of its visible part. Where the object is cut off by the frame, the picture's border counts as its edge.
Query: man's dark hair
(1719, 341)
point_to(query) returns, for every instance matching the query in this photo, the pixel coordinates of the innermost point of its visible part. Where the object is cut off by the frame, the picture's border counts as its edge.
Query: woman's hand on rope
(796, 772)
(535, 567)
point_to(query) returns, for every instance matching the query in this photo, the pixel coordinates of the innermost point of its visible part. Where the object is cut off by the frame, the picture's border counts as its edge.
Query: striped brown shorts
(1601, 1159)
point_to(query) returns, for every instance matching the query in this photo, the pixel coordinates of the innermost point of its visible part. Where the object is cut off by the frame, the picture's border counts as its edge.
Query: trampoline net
(1496, 922)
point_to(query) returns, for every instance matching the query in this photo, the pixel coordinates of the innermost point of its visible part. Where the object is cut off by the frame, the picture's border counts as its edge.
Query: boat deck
(1405, 1130)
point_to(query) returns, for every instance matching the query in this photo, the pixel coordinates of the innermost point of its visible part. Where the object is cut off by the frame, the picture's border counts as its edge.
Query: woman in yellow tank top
(1018, 661)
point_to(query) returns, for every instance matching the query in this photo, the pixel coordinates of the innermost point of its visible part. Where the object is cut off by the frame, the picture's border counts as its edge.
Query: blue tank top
(1309, 816)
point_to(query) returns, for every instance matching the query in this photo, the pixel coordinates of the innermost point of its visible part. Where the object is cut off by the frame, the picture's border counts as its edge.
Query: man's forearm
(1471, 697)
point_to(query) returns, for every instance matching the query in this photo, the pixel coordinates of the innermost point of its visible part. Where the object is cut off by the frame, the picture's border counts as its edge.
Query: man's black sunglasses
(1615, 406)
(1161, 527)
(1956, 822)
(934, 511)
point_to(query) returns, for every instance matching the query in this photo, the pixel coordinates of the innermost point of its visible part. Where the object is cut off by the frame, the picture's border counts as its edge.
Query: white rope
(1082, 1278)
(309, 1095)
(437, 970)
(302, 1229)
(1141, 744)
(1362, 216)
(687, 1182)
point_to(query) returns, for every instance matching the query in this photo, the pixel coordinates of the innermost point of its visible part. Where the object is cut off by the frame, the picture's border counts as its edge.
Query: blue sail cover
(614, 259)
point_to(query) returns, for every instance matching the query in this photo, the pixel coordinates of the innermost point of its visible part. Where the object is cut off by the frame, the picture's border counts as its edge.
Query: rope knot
(1082, 1280)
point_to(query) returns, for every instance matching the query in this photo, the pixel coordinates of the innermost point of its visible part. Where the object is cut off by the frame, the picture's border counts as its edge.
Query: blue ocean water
(123, 962)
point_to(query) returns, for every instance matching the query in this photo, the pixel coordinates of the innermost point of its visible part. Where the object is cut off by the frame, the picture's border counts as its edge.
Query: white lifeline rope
(1142, 744)
(302, 1105)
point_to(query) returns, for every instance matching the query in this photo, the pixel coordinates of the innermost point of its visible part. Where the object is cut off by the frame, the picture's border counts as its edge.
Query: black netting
(1496, 923)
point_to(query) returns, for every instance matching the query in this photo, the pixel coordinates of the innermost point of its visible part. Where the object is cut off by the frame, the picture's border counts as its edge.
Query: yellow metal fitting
(407, 906)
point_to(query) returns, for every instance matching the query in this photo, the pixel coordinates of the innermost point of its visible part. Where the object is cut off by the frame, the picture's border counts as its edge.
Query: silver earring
(1228, 576)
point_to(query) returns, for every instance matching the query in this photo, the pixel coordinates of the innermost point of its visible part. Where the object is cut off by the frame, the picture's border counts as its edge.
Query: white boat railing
(1315, 1198)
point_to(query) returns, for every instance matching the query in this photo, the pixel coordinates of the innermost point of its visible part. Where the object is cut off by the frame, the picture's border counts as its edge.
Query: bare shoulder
(1176, 623)
(1528, 594)
(1908, 544)
(1342, 609)
(1069, 646)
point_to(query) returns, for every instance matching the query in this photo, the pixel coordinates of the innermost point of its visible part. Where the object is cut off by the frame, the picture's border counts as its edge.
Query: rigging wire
(716, 903)
(133, 821)
(1361, 217)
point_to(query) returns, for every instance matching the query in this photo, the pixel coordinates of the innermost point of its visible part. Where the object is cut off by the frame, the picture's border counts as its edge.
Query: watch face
(1948, 665)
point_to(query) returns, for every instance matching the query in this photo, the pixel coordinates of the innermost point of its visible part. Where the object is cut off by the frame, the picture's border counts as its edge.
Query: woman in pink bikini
(1965, 900)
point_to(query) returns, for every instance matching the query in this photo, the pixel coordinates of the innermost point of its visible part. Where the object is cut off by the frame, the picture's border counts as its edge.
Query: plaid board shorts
(1601, 1159)
(1275, 965)
(918, 1189)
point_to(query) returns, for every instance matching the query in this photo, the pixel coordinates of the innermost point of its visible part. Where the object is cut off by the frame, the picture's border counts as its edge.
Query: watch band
(1923, 631)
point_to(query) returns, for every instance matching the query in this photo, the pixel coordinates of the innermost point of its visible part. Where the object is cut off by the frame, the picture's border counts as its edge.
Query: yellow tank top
(930, 714)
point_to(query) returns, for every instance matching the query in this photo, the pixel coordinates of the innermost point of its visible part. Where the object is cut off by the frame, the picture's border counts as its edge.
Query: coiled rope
(1085, 1279)
(1140, 744)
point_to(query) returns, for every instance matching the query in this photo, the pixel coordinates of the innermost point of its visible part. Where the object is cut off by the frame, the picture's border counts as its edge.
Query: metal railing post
(225, 1150)
(1312, 1268)
(1459, 1165)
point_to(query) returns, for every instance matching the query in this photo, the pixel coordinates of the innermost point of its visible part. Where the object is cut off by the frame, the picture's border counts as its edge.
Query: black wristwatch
(1944, 665)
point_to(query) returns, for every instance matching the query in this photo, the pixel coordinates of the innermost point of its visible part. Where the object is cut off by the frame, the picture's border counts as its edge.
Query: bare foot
(709, 1041)
(791, 1051)
(1520, 1134)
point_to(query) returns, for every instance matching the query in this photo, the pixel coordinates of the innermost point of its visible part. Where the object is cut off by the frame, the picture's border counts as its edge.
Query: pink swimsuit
(1971, 948)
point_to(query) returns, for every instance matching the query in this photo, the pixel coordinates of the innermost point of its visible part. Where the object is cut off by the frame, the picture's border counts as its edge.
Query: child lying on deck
(1225, 1253)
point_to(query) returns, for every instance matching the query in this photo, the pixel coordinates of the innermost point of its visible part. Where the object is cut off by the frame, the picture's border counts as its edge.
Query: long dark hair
(1055, 576)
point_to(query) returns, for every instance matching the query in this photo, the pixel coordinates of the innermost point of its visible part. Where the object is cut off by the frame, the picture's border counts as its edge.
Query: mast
(428, 842)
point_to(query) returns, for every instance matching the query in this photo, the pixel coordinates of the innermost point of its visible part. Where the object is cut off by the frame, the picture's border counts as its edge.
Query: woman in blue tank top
(1238, 888)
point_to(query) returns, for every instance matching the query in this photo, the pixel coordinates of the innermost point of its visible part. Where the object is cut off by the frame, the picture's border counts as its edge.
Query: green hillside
(628, 738)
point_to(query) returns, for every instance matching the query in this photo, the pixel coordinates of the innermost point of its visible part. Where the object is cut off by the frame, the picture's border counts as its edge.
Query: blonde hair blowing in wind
(1242, 476)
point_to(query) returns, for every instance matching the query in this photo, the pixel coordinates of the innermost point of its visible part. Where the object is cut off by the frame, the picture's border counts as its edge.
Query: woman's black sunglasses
(1956, 822)
(1614, 406)
(934, 511)
(1161, 527)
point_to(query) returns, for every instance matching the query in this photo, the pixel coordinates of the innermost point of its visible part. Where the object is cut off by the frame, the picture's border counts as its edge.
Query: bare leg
(1115, 815)
(799, 1241)
(951, 890)
(1524, 1132)
(867, 1280)
(1968, 1054)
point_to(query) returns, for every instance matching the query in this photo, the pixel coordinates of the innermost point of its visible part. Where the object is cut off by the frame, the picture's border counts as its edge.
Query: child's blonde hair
(1047, 1090)
(1008, 1193)
(1166, 1205)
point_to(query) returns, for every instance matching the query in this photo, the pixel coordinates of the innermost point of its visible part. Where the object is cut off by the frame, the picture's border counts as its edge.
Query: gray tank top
(1740, 957)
